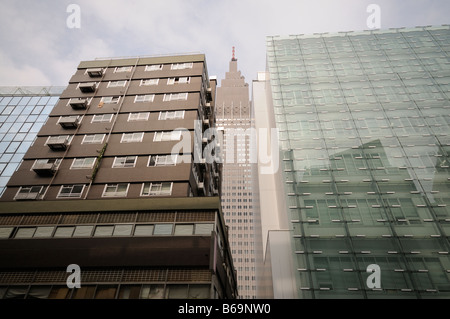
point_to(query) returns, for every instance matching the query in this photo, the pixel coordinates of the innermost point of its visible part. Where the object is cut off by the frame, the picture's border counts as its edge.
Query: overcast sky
(38, 46)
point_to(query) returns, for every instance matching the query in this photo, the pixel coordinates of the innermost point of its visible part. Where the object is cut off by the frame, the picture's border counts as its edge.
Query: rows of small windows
(117, 230)
(108, 291)
(150, 82)
(110, 190)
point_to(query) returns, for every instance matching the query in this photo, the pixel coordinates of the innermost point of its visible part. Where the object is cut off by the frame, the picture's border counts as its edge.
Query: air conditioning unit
(69, 122)
(95, 73)
(45, 168)
(57, 143)
(88, 87)
(78, 103)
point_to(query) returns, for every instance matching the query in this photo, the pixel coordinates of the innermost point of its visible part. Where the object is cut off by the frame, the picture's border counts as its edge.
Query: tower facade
(116, 183)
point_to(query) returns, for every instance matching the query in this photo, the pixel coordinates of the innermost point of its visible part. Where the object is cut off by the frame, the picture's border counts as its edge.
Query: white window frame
(182, 66)
(93, 139)
(149, 82)
(166, 136)
(171, 115)
(115, 194)
(156, 192)
(40, 192)
(100, 118)
(144, 98)
(122, 162)
(110, 100)
(154, 67)
(140, 116)
(175, 97)
(115, 84)
(83, 163)
(120, 69)
(70, 195)
(162, 160)
(179, 80)
(133, 138)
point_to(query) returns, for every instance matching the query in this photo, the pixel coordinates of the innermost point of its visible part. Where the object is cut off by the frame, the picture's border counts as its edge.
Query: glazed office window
(154, 67)
(171, 115)
(149, 82)
(125, 162)
(157, 189)
(83, 163)
(93, 139)
(132, 137)
(144, 98)
(115, 84)
(115, 190)
(123, 69)
(143, 116)
(71, 191)
(102, 118)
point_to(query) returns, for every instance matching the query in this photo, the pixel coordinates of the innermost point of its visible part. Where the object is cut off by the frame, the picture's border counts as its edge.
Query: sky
(43, 41)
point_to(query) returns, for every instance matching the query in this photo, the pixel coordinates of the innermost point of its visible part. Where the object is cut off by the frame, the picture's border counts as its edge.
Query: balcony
(47, 167)
(78, 103)
(95, 73)
(68, 122)
(58, 143)
(88, 87)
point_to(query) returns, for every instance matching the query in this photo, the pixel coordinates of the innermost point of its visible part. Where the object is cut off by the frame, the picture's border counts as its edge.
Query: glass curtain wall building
(364, 134)
(23, 111)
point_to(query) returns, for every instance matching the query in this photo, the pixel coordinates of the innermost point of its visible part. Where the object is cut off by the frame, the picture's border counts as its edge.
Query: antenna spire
(234, 55)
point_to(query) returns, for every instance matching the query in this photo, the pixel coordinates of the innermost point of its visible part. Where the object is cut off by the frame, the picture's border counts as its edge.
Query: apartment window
(144, 98)
(132, 137)
(143, 116)
(162, 160)
(157, 189)
(115, 190)
(29, 192)
(149, 82)
(102, 118)
(182, 66)
(110, 100)
(115, 84)
(123, 69)
(171, 115)
(71, 191)
(178, 80)
(124, 162)
(175, 97)
(93, 139)
(167, 136)
(154, 67)
(83, 163)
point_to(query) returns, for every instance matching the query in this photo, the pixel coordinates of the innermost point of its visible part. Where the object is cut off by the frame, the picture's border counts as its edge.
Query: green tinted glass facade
(364, 123)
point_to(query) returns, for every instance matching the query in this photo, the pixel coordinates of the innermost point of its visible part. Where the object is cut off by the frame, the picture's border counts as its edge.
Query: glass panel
(103, 231)
(199, 292)
(163, 229)
(177, 291)
(39, 292)
(184, 230)
(143, 230)
(25, 232)
(16, 292)
(85, 292)
(83, 231)
(152, 292)
(204, 229)
(105, 292)
(44, 232)
(129, 292)
(64, 231)
(122, 230)
(59, 293)
(5, 232)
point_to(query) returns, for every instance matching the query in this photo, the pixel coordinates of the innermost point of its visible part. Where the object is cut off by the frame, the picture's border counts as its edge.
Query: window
(156, 189)
(175, 97)
(123, 162)
(44, 232)
(110, 100)
(162, 160)
(132, 137)
(114, 84)
(83, 231)
(123, 69)
(70, 191)
(203, 229)
(64, 232)
(167, 136)
(143, 230)
(144, 98)
(103, 231)
(5, 232)
(115, 190)
(138, 116)
(182, 66)
(102, 118)
(183, 230)
(29, 192)
(122, 230)
(163, 229)
(83, 163)
(178, 80)
(93, 139)
(171, 115)
(154, 67)
(149, 82)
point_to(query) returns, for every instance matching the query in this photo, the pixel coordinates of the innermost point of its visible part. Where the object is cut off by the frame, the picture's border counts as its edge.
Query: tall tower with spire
(233, 115)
